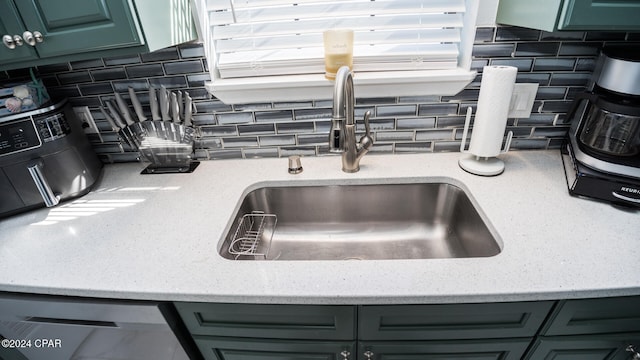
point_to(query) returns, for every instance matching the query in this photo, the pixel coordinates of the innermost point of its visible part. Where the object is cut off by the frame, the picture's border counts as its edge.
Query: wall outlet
(522, 100)
(84, 115)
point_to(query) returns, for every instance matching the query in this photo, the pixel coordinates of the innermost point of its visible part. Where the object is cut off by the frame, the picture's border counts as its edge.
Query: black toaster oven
(45, 158)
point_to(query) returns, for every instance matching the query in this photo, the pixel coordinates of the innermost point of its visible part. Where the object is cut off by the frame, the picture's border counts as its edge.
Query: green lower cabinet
(586, 329)
(226, 348)
(502, 349)
(584, 347)
(11, 354)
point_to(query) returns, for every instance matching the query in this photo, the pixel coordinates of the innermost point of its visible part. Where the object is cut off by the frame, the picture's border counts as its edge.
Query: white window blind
(280, 42)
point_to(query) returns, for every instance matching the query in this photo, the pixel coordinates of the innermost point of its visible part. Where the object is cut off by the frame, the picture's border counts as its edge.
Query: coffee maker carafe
(602, 151)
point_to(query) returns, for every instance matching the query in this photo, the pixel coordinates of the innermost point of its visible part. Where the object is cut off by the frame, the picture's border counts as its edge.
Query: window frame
(366, 84)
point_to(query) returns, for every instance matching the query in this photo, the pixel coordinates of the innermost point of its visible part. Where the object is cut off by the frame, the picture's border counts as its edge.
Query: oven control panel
(18, 136)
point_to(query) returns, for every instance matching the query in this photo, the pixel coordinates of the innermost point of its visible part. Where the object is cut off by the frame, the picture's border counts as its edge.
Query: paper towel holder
(481, 165)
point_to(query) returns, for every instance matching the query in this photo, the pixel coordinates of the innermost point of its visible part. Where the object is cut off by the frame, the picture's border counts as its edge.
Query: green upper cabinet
(553, 15)
(10, 25)
(56, 31)
(72, 26)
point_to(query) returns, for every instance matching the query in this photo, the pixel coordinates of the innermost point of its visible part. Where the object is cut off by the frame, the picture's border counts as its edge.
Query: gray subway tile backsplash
(277, 140)
(537, 49)
(312, 114)
(183, 67)
(397, 110)
(235, 118)
(240, 142)
(544, 64)
(516, 34)
(416, 123)
(295, 127)
(256, 129)
(108, 74)
(579, 48)
(144, 71)
(562, 35)
(571, 79)
(488, 50)
(437, 109)
(87, 64)
(121, 60)
(432, 135)
(560, 62)
(170, 53)
(414, 147)
(387, 136)
(75, 77)
(521, 64)
(253, 153)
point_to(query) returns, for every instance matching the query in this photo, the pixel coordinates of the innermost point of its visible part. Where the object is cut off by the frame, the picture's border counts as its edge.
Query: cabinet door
(11, 25)
(585, 347)
(451, 321)
(220, 348)
(72, 26)
(506, 349)
(600, 15)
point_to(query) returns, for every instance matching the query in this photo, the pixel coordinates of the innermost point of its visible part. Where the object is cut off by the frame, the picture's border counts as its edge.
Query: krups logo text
(630, 190)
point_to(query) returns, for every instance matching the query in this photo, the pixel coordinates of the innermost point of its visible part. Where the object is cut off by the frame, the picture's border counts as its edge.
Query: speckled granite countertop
(156, 237)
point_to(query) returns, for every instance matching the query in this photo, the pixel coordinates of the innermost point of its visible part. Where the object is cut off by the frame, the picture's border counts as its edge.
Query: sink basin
(425, 220)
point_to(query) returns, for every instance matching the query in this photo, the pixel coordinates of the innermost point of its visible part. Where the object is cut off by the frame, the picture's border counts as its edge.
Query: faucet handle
(367, 129)
(366, 141)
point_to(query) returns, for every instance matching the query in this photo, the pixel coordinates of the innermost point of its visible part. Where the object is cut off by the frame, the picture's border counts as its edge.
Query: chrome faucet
(342, 136)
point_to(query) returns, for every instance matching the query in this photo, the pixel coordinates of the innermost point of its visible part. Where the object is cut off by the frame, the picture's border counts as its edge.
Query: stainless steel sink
(359, 222)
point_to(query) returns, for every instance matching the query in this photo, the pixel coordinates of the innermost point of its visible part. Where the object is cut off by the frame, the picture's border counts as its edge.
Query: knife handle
(180, 105)
(175, 114)
(109, 119)
(136, 105)
(188, 109)
(153, 104)
(115, 114)
(124, 110)
(164, 104)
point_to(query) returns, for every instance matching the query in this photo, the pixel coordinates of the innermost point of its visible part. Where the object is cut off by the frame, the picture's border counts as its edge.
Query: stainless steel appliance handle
(625, 198)
(35, 170)
(73, 322)
(576, 102)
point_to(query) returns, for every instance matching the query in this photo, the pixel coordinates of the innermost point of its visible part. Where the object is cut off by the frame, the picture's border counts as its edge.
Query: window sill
(316, 87)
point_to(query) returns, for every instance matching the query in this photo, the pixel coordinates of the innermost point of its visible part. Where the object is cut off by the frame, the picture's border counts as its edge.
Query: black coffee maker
(601, 154)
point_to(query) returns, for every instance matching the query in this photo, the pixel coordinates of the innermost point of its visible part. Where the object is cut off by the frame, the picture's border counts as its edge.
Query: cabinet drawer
(584, 347)
(221, 348)
(270, 321)
(451, 321)
(506, 349)
(595, 316)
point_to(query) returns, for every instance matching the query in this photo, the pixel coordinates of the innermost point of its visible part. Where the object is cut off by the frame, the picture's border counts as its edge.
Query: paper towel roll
(493, 107)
